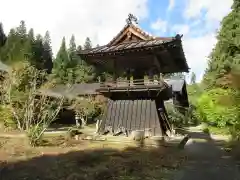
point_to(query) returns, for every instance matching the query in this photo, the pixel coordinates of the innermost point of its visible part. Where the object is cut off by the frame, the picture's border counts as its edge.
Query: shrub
(31, 111)
(178, 119)
(216, 107)
(87, 107)
(6, 117)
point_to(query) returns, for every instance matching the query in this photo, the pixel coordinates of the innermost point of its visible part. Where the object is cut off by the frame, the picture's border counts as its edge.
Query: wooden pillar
(100, 80)
(128, 76)
(138, 76)
(150, 75)
(115, 71)
(77, 118)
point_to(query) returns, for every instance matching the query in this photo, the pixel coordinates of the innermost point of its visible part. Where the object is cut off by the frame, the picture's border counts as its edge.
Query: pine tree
(30, 35)
(21, 44)
(22, 30)
(29, 43)
(72, 51)
(79, 48)
(193, 78)
(62, 55)
(61, 64)
(3, 37)
(225, 56)
(47, 53)
(87, 44)
(10, 51)
(36, 58)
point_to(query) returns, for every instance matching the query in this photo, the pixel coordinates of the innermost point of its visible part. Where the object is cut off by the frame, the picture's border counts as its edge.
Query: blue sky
(198, 21)
(101, 20)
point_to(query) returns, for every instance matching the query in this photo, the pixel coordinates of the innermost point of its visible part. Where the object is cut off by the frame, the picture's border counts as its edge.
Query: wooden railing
(136, 82)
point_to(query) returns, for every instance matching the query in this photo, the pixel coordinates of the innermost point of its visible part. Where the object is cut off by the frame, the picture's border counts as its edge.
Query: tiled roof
(138, 29)
(131, 45)
(71, 92)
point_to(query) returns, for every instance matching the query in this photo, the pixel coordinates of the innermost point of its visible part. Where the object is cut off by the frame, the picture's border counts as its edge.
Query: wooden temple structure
(136, 102)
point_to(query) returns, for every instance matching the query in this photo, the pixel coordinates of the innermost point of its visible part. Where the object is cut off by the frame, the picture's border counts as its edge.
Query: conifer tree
(36, 58)
(30, 35)
(62, 55)
(22, 30)
(3, 37)
(61, 64)
(87, 44)
(193, 78)
(79, 48)
(29, 43)
(47, 53)
(72, 51)
(9, 52)
(225, 56)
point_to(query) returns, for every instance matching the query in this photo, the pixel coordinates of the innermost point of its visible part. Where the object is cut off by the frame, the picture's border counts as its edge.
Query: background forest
(215, 101)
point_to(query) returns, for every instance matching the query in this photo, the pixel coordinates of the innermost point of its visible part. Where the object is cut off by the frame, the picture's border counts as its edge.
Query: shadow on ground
(201, 159)
(207, 160)
(98, 164)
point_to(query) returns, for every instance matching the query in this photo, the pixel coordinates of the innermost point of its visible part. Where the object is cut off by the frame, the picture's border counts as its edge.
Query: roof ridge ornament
(131, 18)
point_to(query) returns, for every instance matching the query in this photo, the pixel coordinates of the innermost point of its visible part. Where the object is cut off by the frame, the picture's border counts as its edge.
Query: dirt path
(207, 161)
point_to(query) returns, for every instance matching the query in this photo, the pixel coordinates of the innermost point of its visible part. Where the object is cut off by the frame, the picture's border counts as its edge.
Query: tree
(22, 30)
(225, 56)
(17, 45)
(47, 53)
(87, 44)
(36, 56)
(62, 55)
(72, 51)
(31, 111)
(61, 64)
(29, 43)
(79, 48)
(193, 78)
(3, 37)
(30, 34)
(10, 51)
(72, 44)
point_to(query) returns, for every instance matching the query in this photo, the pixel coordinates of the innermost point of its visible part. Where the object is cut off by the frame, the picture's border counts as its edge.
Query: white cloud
(98, 19)
(181, 29)
(197, 51)
(215, 10)
(159, 25)
(171, 5)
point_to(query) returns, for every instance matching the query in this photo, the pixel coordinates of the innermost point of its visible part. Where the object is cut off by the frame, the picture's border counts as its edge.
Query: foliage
(178, 119)
(68, 66)
(6, 117)
(225, 56)
(219, 104)
(3, 37)
(87, 107)
(21, 46)
(87, 44)
(215, 107)
(31, 111)
(194, 92)
(193, 78)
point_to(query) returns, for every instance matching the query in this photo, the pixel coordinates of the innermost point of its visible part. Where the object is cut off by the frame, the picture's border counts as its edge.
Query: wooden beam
(157, 63)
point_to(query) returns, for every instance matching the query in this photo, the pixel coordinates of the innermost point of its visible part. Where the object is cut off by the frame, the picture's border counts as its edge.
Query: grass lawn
(61, 159)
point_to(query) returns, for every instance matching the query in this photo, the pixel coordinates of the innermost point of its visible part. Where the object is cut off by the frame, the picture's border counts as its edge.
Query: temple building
(136, 90)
